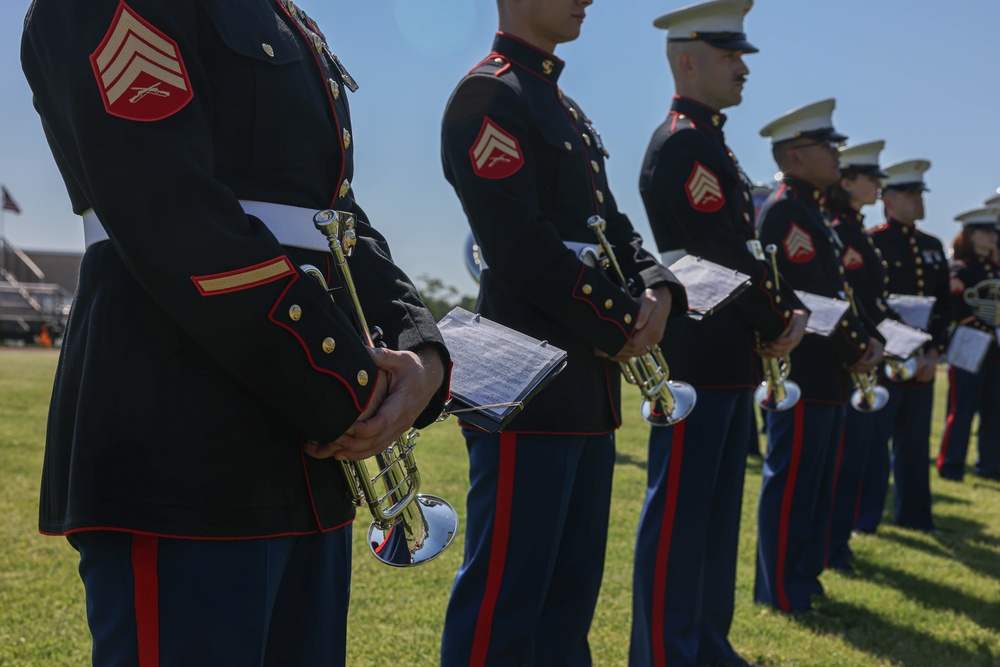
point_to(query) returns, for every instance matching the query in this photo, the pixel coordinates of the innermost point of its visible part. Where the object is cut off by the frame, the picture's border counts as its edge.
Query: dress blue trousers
(685, 557)
(535, 536)
(852, 459)
(267, 602)
(794, 511)
(906, 421)
(969, 393)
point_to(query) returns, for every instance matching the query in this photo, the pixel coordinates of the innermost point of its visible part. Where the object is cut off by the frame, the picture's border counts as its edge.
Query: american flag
(8, 202)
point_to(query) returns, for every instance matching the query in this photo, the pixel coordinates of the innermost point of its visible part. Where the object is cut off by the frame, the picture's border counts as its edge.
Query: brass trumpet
(777, 392)
(868, 394)
(900, 370)
(408, 528)
(665, 402)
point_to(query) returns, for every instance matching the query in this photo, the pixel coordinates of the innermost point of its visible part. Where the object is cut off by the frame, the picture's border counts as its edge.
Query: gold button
(920, 292)
(498, 60)
(587, 289)
(777, 299)
(863, 345)
(628, 319)
(568, 146)
(560, 93)
(608, 304)
(318, 42)
(920, 272)
(586, 139)
(329, 345)
(854, 334)
(788, 314)
(920, 283)
(898, 264)
(547, 66)
(844, 323)
(841, 270)
(334, 89)
(295, 313)
(363, 378)
(575, 115)
(347, 138)
(600, 196)
(746, 216)
(918, 261)
(268, 49)
(768, 284)
(596, 167)
(746, 196)
(345, 187)
(292, 9)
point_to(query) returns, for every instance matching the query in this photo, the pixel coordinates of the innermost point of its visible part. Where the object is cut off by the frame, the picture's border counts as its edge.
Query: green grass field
(920, 600)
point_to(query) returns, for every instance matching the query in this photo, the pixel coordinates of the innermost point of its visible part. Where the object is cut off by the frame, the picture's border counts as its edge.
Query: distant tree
(440, 298)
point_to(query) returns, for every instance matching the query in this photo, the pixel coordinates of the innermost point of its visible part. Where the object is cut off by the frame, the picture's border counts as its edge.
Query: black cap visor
(728, 41)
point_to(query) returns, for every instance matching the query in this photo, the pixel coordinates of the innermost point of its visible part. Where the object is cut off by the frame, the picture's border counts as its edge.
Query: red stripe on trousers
(951, 417)
(786, 504)
(147, 607)
(663, 547)
(498, 549)
(833, 496)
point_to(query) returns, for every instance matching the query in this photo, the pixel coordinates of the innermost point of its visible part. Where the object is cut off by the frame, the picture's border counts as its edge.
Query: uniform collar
(698, 112)
(901, 227)
(804, 188)
(541, 63)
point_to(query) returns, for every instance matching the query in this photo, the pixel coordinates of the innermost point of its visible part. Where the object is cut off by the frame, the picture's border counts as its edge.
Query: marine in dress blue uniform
(698, 200)
(864, 272)
(529, 168)
(916, 265)
(975, 288)
(794, 509)
(197, 139)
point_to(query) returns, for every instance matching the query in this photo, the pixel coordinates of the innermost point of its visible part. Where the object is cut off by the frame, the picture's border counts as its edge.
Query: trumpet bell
(777, 401)
(900, 371)
(863, 402)
(684, 399)
(421, 533)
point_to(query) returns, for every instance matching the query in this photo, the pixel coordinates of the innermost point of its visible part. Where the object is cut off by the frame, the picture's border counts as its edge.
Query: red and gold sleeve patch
(703, 189)
(852, 259)
(242, 279)
(798, 245)
(496, 153)
(139, 70)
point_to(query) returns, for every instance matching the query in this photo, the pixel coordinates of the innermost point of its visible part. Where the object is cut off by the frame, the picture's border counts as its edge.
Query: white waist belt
(291, 225)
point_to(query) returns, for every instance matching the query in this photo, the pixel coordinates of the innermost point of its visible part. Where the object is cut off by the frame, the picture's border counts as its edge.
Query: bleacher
(32, 306)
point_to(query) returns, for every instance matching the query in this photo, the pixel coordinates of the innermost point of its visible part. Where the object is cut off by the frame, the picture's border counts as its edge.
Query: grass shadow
(876, 635)
(624, 458)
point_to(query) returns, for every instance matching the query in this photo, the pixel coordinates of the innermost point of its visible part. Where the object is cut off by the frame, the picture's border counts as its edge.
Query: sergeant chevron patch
(852, 259)
(495, 154)
(703, 189)
(798, 245)
(246, 278)
(139, 70)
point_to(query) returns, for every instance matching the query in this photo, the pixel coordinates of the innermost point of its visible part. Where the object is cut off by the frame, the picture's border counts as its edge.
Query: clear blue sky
(920, 74)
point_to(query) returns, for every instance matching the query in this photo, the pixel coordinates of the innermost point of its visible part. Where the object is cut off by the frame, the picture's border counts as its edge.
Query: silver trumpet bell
(777, 393)
(900, 370)
(408, 528)
(868, 395)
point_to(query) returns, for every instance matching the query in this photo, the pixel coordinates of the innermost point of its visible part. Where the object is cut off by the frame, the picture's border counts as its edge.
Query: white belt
(291, 225)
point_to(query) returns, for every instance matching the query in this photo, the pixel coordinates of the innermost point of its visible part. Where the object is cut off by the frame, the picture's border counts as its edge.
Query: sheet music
(708, 285)
(493, 363)
(901, 341)
(914, 310)
(968, 348)
(825, 313)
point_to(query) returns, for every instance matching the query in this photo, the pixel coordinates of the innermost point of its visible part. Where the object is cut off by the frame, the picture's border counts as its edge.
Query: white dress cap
(986, 217)
(908, 175)
(862, 158)
(718, 22)
(812, 120)
(993, 202)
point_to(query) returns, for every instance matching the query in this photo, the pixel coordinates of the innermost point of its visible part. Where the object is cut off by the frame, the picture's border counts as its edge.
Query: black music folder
(709, 286)
(496, 370)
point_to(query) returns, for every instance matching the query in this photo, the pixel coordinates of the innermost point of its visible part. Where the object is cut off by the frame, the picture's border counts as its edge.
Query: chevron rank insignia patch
(139, 70)
(798, 245)
(852, 259)
(495, 154)
(703, 189)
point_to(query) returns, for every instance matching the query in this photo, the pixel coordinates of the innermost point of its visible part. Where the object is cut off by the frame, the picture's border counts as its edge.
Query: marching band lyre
(984, 300)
